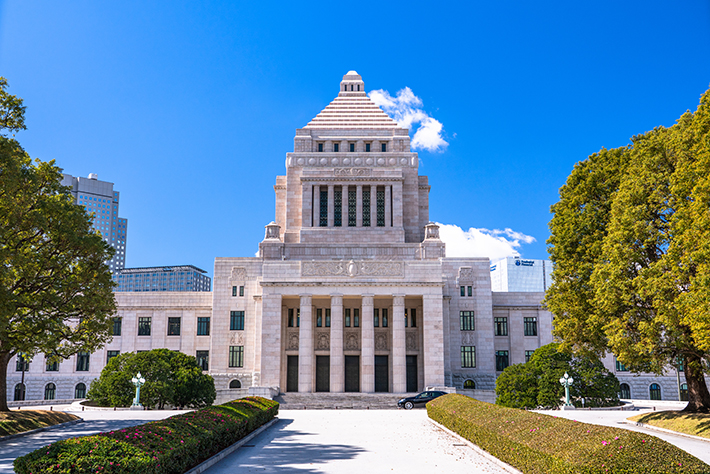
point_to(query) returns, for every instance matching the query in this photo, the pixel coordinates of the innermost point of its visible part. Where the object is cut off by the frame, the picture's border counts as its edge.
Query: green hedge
(173, 445)
(542, 444)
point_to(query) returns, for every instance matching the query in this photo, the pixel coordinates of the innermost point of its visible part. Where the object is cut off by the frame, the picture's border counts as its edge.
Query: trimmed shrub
(170, 446)
(542, 444)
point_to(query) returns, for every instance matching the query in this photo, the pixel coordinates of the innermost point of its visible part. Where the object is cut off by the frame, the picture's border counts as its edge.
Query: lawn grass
(19, 421)
(696, 424)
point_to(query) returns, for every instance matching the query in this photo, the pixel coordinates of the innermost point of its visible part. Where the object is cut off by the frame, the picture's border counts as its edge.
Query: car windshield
(423, 395)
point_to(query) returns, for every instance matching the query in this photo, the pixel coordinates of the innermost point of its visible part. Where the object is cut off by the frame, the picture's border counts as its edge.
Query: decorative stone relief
(292, 341)
(352, 342)
(411, 342)
(380, 342)
(323, 342)
(238, 274)
(468, 338)
(352, 172)
(353, 268)
(237, 339)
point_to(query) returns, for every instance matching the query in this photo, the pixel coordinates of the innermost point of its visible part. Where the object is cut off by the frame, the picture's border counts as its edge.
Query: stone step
(340, 401)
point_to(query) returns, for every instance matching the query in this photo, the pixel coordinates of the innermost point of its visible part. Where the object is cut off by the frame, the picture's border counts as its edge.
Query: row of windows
(238, 291)
(464, 290)
(50, 391)
(351, 147)
(236, 323)
(236, 359)
(468, 358)
(500, 325)
(351, 218)
(351, 317)
(654, 391)
(52, 365)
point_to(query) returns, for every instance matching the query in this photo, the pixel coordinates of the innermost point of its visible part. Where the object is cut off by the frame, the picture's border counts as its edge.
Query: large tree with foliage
(630, 239)
(536, 384)
(56, 293)
(171, 377)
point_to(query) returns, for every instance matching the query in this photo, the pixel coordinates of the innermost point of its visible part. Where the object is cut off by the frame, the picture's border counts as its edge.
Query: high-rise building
(175, 278)
(99, 198)
(519, 274)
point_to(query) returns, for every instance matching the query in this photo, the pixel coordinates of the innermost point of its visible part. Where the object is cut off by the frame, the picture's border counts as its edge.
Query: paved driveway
(354, 441)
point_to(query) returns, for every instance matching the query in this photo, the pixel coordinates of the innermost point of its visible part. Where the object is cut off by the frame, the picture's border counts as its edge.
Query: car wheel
(408, 405)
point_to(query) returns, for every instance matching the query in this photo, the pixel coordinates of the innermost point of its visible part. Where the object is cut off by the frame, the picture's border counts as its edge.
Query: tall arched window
(684, 392)
(235, 384)
(624, 391)
(655, 391)
(469, 384)
(19, 392)
(80, 391)
(50, 390)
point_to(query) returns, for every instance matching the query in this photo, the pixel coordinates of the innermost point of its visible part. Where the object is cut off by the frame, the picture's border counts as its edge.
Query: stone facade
(351, 289)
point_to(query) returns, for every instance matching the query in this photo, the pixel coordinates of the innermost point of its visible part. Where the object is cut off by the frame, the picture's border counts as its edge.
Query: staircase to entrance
(339, 401)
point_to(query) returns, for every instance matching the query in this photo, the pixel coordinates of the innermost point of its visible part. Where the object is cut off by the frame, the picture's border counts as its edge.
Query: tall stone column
(433, 332)
(388, 206)
(316, 205)
(337, 359)
(367, 354)
(306, 206)
(399, 350)
(397, 205)
(305, 346)
(358, 206)
(373, 205)
(331, 205)
(271, 320)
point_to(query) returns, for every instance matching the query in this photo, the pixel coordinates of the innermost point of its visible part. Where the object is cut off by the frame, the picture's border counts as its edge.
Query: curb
(664, 430)
(480, 451)
(229, 450)
(37, 430)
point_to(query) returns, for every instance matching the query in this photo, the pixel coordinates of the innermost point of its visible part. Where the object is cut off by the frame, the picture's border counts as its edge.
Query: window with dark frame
(50, 390)
(203, 359)
(203, 326)
(501, 360)
(356, 317)
(173, 326)
(352, 147)
(51, 365)
(384, 147)
(470, 290)
(413, 317)
(500, 326)
(530, 326)
(376, 317)
(80, 390)
(352, 207)
(111, 354)
(327, 317)
(320, 147)
(336, 147)
(323, 221)
(236, 356)
(338, 207)
(234, 291)
(82, 361)
(367, 147)
(319, 317)
(116, 328)
(384, 317)
(236, 320)
(144, 326)
(380, 208)
(468, 357)
(22, 361)
(621, 367)
(467, 320)
(463, 291)
(366, 206)
(528, 355)
(241, 290)
(347, 317)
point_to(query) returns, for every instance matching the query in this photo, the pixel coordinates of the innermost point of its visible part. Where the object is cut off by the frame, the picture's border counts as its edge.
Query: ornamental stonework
(465, 274)
(380, 342)
(467, 338)
(237, 339)
(322, 341)
(353, 268)
(352, 172)
(352, 341)
(292, 341)
(238, 274)
(411, 341)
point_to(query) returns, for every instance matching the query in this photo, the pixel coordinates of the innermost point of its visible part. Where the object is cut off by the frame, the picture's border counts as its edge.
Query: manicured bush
(542, 444)
(170, 446)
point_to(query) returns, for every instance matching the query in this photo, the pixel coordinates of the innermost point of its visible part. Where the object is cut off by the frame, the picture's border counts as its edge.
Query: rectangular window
(621, 367)
(463, 291)
(413, 317)
(384, 317)
(384, 147)
(406, 318)
(320, 147)
(366, 206)
(173, 326)
(352, 207)
(530, 326)
(236, 320)
(323, 221)
(111, 354)
(376, 317)
(470, 290)
(236, 356)
(52, 365)
(144, 326)
(468, 357)
(356, 317)
(234, 291)
(290, 317)
(528, 355)
(500, 326)
(203, 359)
(327, 317)
(467, 321)
(367, 147)
(319, 317)
(241, 290)
(352, 148)
(203, 326)
(338, 207)
(347, 317)
(336, 147)
(380, 208)
(82, 362)
(501, 360)
(116, 329)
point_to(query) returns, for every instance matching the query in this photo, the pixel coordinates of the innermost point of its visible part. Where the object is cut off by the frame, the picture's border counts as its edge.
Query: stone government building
(351, 292)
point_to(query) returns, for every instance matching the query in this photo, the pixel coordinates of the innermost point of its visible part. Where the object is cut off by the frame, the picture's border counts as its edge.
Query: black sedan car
(419, 400)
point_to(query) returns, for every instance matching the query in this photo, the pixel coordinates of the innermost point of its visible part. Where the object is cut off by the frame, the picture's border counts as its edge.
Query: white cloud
(407, 110)
(473, 242)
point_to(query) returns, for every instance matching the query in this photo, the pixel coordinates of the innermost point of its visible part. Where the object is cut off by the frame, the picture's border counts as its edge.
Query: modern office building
(100, 198)
(351, 290)
(519, 274)
(175, 278)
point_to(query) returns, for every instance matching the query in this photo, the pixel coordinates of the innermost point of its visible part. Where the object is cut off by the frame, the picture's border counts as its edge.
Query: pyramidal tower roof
(352, 109)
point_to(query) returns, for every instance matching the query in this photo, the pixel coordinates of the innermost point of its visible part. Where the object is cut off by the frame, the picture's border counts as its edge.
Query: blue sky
(190, 107)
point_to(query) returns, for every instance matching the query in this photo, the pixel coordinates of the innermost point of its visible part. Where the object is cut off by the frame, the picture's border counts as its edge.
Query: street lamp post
(138, 381)
(566, 382)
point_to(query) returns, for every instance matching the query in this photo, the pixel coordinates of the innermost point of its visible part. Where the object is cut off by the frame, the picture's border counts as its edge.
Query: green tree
(56, 293)
(629, 239)
(536, 384)
(171, 377)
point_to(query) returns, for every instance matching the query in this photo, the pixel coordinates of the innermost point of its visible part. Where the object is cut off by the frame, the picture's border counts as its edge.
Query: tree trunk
(4, 360)
(698, 395)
